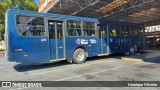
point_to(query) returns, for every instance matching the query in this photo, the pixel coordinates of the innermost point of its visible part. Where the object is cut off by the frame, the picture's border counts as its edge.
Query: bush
(2, 30)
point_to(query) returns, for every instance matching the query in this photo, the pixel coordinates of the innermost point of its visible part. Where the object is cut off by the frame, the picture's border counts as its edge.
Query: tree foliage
(14, 4)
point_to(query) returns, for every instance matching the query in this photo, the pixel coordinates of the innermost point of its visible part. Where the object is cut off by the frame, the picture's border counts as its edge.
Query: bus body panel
(122, 44)
(25, 49)
(88, 43)
(12, 39)
(60, 49)
(92, 46)
(71, 44)
(102, 46)
(56, 49)
(52, 49)
(36, 48)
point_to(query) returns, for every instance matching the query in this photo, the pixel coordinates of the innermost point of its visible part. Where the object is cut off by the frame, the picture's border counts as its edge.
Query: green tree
(14, 4)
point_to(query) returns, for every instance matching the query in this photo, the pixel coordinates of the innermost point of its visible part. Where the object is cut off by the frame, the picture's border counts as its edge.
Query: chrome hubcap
(80, 56)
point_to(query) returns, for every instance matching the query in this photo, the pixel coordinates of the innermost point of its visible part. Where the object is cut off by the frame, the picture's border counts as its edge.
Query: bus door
(103, 39)
(115, 41)
(56, 39)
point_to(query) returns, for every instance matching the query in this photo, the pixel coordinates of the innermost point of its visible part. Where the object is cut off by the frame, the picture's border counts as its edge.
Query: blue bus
(33, 37)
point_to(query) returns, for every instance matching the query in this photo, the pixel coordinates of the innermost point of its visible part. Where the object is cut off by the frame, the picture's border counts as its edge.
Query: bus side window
(113, 31)
(125, 30)
(74, 33)
(59, 30)
(103, 31)
(89, 28)
(99, 31)
(141, 30)
(74, 28)
(85, 33)
(30, 26)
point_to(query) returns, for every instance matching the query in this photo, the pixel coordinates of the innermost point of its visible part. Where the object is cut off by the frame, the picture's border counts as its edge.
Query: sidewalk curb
(132, 59)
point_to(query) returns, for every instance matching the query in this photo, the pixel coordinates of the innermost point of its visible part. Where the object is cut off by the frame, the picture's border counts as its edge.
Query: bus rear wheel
(79, 56)
(132, 50)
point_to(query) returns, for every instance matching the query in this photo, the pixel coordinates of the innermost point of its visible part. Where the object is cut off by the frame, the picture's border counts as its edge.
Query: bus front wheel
(79, 56)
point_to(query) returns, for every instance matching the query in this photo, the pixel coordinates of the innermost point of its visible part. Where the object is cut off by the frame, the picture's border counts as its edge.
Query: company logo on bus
(78, 41)
(85, 41)
(81, 41)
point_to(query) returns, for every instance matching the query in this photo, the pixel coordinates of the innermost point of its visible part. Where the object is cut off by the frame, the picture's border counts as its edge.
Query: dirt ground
(2, 53)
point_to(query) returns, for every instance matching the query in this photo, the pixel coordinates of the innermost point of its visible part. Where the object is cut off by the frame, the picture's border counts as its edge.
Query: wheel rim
(80, 56)
(132, 50)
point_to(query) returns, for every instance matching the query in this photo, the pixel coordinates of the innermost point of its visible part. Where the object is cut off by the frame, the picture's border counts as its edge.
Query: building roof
(136, 11)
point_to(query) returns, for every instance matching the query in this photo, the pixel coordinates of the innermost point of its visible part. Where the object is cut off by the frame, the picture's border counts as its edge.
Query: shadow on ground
(29, 67)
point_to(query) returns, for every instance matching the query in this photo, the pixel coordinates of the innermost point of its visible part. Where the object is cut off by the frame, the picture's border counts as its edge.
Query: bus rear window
(30, 26)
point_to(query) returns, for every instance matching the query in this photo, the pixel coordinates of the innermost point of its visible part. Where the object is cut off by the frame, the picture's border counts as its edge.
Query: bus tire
(79, 56)
(132, 50)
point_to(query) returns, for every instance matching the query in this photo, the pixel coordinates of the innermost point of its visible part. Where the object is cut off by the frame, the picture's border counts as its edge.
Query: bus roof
(52, 15)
